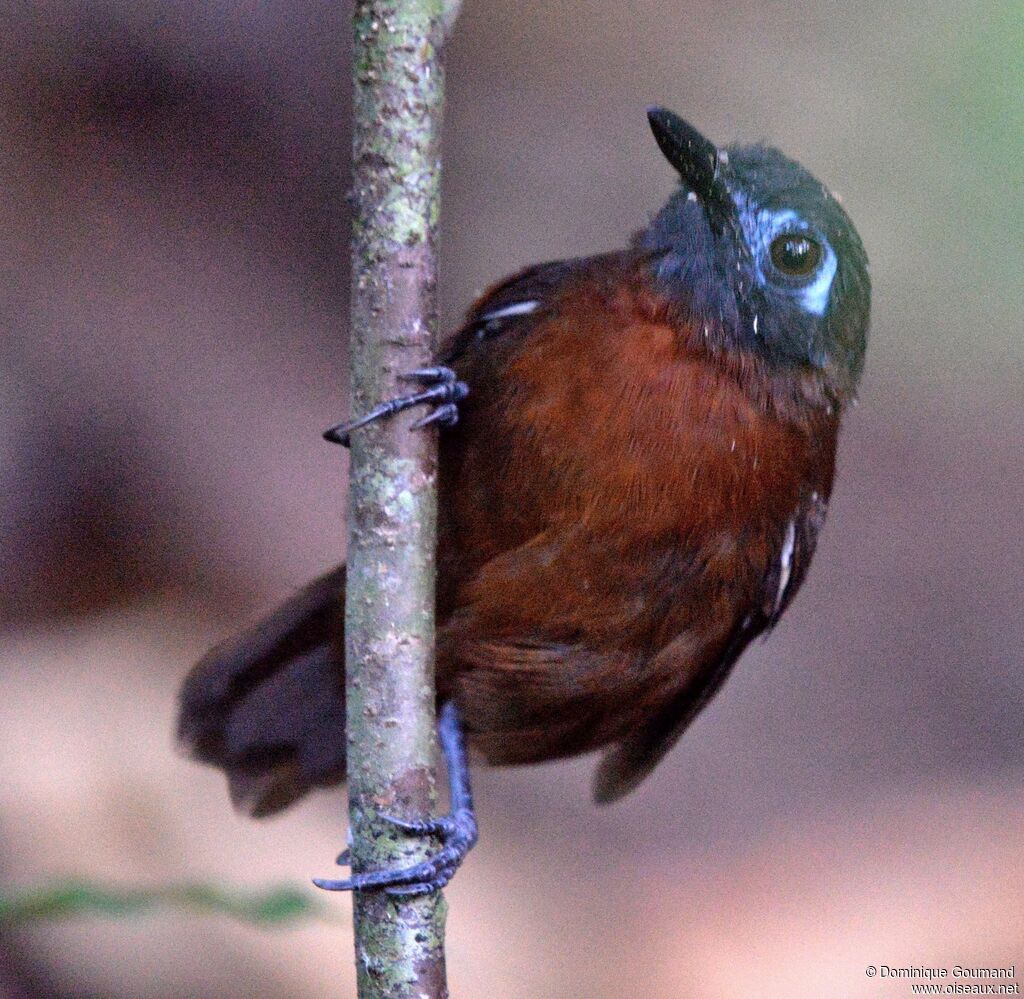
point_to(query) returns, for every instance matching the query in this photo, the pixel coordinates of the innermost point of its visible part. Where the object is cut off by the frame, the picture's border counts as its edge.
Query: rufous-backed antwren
(631, 491)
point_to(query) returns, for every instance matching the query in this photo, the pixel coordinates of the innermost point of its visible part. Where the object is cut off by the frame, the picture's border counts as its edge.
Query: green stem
(70, 899)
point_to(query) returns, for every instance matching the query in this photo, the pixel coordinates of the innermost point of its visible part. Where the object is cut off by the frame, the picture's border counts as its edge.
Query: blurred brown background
(173, 303)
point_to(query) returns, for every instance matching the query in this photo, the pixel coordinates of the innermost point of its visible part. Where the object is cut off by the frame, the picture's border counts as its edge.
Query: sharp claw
(415, 826)
(429, 827)
(437, 870)
(371, 880)
(338, 434)
(421, 887)
(446, 415)
(410, 891)
(444, 826)
(435, 374)
(331, 885)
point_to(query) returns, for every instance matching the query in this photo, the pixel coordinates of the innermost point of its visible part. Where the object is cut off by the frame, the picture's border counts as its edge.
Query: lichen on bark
(389, 615)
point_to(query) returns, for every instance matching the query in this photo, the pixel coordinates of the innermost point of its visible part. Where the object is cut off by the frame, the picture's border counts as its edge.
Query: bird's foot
(443, 390)
(457, 832)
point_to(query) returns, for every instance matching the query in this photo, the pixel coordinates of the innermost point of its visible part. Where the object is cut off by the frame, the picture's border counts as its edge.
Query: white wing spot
(786, 562)
(515, 309)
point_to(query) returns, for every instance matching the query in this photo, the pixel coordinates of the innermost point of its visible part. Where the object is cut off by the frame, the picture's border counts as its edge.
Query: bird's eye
(795, 254)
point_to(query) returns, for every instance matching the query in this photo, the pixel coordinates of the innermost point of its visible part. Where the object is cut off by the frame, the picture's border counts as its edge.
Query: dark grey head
(761, 253)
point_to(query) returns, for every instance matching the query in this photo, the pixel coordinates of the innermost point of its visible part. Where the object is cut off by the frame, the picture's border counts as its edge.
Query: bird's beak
(699, 162)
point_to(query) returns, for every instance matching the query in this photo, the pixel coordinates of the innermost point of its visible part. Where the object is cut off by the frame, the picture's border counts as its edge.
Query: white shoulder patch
(786, 563)
(508, 311)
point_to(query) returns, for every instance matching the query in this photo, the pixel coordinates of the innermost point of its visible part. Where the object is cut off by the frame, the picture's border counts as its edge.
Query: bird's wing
(626, 764)
(511, 307)
(530, 698)
(493, 496)
(268, 705)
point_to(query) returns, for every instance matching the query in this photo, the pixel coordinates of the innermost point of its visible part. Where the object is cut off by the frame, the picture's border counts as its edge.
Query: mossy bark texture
(389, 617)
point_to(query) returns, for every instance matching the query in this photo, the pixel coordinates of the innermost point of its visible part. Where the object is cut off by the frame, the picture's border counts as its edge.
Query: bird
(637, 457)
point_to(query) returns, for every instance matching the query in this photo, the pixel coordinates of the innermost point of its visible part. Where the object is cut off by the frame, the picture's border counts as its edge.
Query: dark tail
(268, 707)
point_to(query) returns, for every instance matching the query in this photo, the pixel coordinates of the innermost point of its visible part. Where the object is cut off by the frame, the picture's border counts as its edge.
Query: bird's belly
(559, 648)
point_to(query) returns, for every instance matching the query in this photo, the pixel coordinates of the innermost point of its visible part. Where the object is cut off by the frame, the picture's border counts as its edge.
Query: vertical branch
(389, 622)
